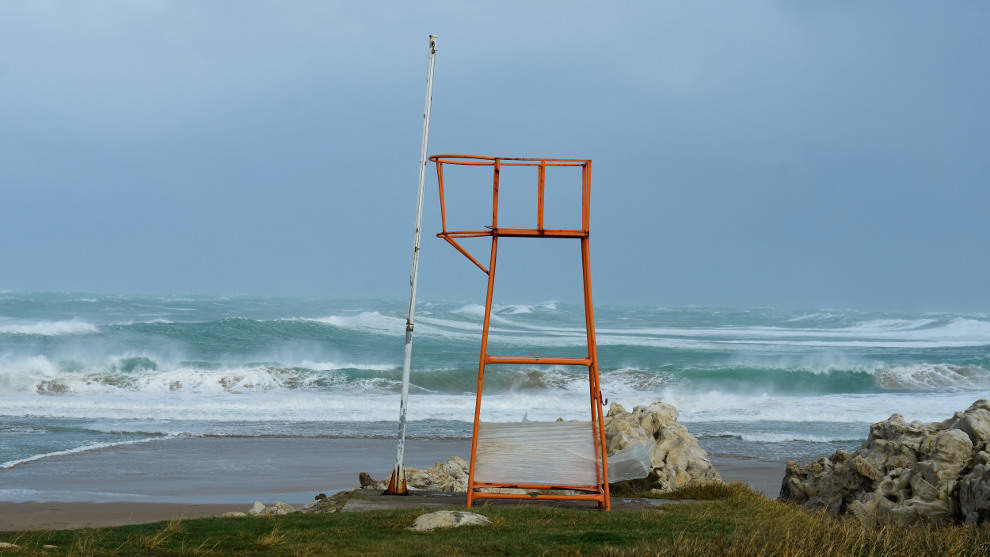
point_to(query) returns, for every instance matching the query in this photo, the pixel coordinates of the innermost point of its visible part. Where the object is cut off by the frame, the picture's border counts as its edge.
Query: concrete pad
(373, 500)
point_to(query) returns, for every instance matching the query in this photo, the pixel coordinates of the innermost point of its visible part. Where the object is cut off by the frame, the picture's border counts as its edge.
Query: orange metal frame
(599, 491)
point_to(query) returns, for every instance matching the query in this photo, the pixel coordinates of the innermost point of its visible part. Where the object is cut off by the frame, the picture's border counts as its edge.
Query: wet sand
(191, 477)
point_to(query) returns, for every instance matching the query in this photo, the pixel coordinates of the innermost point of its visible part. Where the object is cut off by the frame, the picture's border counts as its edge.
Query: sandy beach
(192, 477)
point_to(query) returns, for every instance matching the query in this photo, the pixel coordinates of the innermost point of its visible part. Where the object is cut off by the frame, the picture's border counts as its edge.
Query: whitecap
(49, 328)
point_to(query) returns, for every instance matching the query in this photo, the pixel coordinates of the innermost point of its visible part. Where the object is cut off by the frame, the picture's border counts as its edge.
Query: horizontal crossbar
(537, 233)
(482, 495)
(516, 233)
(591, 488)
(537, 360)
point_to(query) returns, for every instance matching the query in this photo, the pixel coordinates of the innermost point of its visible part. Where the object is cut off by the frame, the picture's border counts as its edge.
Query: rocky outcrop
(449, 475)
(905, 473)
(448, 519)
(676, 458)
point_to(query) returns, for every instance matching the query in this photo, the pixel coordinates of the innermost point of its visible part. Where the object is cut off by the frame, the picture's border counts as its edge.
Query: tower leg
(481, 368)
(597, 414)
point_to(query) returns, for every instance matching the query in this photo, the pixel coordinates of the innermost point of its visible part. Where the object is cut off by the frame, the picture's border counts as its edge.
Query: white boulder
(448, 519)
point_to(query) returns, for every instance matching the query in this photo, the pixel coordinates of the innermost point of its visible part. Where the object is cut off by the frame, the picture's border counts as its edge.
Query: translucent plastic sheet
(631, 463)
(559, 453)
(536, 453)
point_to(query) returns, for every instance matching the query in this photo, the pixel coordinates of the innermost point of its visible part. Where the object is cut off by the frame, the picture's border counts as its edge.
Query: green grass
(735, 521)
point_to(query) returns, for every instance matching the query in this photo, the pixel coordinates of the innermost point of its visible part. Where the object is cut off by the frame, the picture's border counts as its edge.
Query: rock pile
(450, 475)
(277, 508)
(905, 473)
(676, 458)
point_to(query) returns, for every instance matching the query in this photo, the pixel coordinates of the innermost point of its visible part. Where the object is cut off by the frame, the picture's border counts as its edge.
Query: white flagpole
(397, 484)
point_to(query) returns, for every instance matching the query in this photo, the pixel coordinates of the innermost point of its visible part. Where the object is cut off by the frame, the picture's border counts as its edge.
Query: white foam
(157, 321)
(876, 333)
(539, 405)
(932, 376)
(76, 450)
(475, 310)
(49, 328)
(766, 437)
(811, 316)
(478, 310)
(24, 374)
(39, 375)
(517, 309)
(882, 326)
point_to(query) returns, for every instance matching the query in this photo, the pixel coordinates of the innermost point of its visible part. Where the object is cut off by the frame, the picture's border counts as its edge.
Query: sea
(83, 372)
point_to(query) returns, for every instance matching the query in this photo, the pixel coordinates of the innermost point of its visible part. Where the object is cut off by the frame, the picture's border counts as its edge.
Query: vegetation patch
(731, 520)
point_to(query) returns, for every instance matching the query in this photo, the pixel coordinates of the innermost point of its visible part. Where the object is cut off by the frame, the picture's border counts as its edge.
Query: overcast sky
(745, 153)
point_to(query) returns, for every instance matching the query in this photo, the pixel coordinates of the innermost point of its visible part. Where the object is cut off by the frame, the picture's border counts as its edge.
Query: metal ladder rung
(537, 360)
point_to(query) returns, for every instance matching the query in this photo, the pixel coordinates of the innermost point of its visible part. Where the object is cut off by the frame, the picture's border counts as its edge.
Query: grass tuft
(710, 492)
(702, 491)
(271, 539)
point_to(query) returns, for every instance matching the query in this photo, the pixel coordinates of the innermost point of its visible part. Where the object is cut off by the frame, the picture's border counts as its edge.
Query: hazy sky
(745, 153)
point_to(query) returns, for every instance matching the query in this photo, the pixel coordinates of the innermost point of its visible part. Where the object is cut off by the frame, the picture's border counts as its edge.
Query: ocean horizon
(81, 372)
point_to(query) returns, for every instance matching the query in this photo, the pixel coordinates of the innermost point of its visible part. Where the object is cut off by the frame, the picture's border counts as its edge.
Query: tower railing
(590, 486)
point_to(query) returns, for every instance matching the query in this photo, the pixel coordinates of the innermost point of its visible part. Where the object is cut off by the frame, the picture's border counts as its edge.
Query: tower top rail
(485, 160)
(492, 228)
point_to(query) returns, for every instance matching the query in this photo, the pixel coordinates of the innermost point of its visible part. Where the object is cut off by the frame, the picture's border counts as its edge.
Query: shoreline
(195, 477)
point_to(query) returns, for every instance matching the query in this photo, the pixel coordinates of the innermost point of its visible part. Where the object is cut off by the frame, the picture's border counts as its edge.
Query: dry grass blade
(271, 539)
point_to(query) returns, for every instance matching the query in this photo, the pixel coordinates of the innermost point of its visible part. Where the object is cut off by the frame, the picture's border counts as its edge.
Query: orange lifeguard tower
(570, 456)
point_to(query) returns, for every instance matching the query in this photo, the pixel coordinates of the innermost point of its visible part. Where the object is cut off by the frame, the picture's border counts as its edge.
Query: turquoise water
(78, 372)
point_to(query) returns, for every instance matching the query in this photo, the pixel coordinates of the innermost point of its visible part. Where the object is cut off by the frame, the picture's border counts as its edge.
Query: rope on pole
(397, 483)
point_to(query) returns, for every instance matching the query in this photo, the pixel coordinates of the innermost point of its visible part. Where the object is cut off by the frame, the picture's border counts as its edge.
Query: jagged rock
(233, 514)
(974, 491)
(367, 482)
(448, 519)
(905, 473)
(676, 458)
(8, 545)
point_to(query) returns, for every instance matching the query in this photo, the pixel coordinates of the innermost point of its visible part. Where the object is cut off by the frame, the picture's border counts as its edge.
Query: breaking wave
(764, 437)
(48, 328)
(40, 375)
